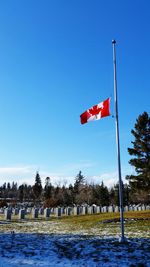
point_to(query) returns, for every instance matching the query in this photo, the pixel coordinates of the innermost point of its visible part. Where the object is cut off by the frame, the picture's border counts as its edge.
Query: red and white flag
(96, 112)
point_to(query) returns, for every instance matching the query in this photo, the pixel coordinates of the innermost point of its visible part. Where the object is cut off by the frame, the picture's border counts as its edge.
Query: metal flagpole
(118, 144)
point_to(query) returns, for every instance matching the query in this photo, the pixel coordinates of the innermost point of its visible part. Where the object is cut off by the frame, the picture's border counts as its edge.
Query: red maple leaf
(95, 110)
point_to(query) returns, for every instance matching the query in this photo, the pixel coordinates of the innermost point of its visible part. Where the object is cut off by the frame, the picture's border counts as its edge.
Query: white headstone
(148, 207)
(117, 209)
(84, 210)
(76, 210)
(126, 208)
(105, 209)
(99, 209)
(22, 214)
(143, 207)
(58, 212)
(35, 213)
(68, 211)
(110, 209)
(8, 214)
(47, 212)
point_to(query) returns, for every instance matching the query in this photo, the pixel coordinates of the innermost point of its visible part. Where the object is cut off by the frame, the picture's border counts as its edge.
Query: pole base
(123, 240)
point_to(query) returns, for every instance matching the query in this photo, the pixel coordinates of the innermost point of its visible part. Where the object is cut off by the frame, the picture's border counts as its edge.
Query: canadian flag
(96, 112)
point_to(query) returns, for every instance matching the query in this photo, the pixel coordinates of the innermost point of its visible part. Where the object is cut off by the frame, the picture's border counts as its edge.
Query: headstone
(90, 210)
(117, 209)
(28, 211)
(126, 208)
(52, 210)
(8, 214)
(62, 210)
(47, 212)
(41, 211)
(84, 210)
(99, 209)
(131, 208)
(136, 208)
(2, 211)
(58, 212)
(35, 213)
(140, 208)
(102, 209)
(143, 207)
(22, 214)
(94, 209)
(68, 211)
(76, 210)
(16, 211)
(105, 209)
(110, 209)
(80, 209)
(11, 209)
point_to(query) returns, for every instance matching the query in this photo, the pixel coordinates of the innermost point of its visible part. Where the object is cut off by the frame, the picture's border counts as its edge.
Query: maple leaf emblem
(95, 110)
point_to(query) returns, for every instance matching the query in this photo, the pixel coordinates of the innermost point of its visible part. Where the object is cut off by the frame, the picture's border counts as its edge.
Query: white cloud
(76, 167)
(26, 174)
(19, 174)
(109, 178)
(15, 170)
(66, 175)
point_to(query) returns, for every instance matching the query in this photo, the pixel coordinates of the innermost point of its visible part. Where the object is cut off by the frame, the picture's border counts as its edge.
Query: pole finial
(113, 41)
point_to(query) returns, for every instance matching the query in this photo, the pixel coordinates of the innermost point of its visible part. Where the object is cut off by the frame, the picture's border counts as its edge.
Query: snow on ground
(58, 243)
(43, 250)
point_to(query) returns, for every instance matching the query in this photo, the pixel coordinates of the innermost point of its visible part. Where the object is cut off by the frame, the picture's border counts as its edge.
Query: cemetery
(80, 235)
(35, 213)
(75, 113)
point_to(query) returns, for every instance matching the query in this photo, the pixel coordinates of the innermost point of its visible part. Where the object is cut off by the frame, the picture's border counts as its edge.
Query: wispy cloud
(15, 170)
(26, 173)
(19, 174)
(78, 166)
(65, 175)
(109, 178)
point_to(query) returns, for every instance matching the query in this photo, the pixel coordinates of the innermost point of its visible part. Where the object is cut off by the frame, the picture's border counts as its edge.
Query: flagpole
(118, 144)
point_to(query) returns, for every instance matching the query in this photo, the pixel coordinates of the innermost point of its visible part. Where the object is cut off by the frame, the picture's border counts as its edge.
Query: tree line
(51, 196)
(136, 190)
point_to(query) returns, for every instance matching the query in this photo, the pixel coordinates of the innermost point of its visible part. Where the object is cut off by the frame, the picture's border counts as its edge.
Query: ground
(77, 241)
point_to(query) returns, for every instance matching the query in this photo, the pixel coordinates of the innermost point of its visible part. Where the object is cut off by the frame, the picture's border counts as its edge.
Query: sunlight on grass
(137, 224)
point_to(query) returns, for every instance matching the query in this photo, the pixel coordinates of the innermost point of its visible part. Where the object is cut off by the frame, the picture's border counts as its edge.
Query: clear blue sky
(55, 62)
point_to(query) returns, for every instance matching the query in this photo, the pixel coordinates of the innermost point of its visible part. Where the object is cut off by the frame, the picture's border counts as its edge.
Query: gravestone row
(59, 211)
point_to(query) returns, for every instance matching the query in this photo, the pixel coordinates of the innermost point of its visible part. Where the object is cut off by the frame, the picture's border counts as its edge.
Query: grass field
(137, 224)
(86, 240)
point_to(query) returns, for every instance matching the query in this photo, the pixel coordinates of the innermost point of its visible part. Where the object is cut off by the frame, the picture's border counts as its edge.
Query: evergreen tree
(4, 186)
(100, 195)
(71, 193)
(21, 192)
(37, 188)
(126, 194)
(79, 181)
(116, 197)
(114, 194)
(8, 186)
(48, 188)
(141, 154)
(104, 195)
(79, 185)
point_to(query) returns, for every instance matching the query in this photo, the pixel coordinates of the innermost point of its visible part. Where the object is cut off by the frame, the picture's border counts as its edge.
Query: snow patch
(43, 250)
